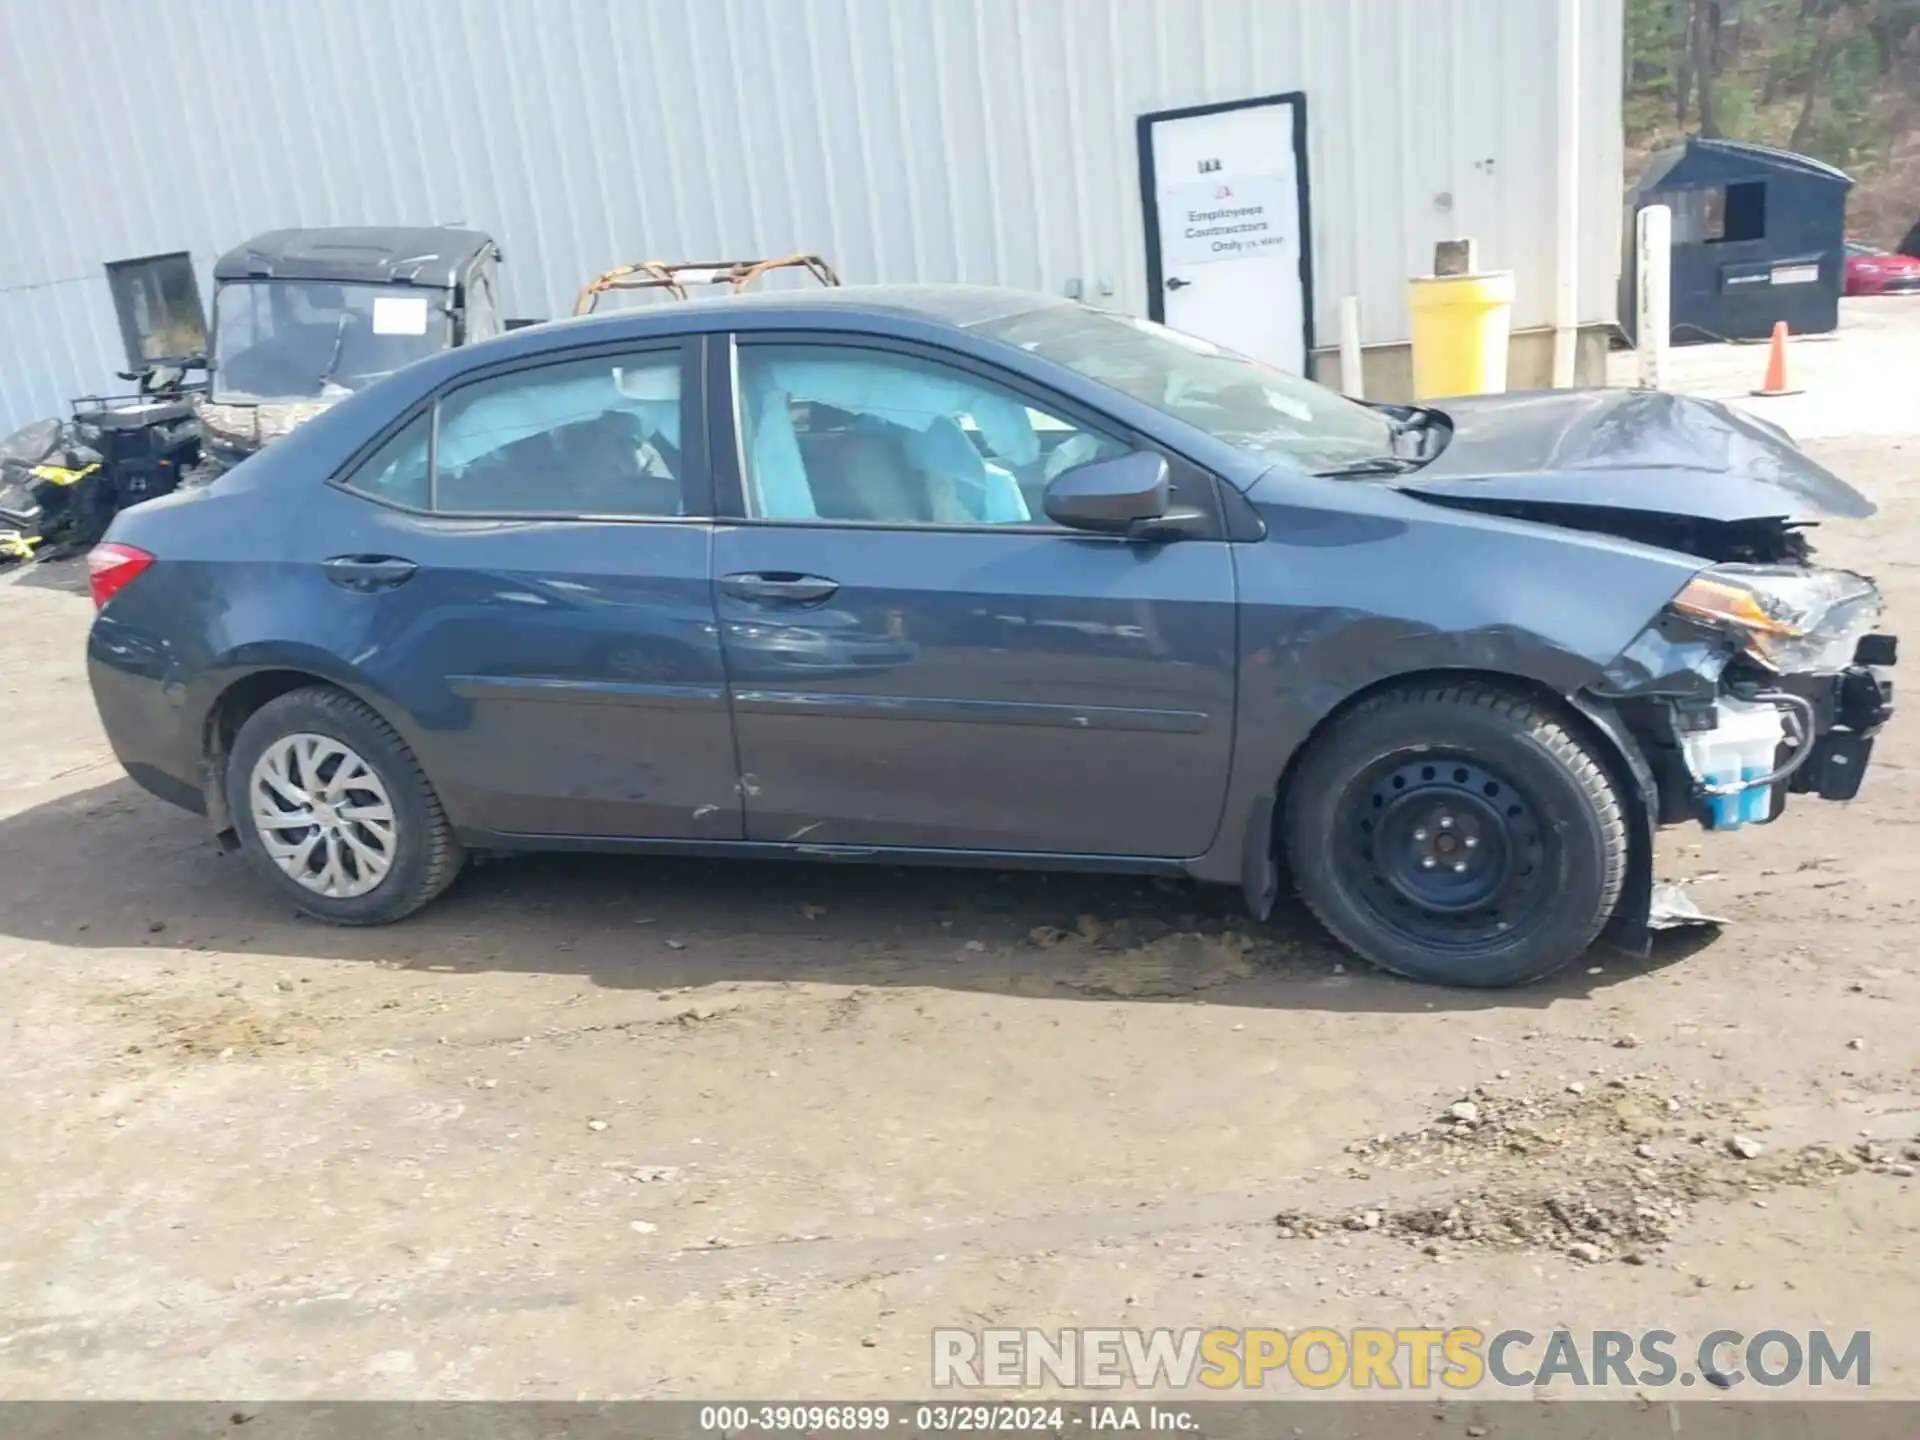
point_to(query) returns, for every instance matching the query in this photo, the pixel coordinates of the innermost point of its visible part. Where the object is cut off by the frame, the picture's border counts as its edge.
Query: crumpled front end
(1756, 683)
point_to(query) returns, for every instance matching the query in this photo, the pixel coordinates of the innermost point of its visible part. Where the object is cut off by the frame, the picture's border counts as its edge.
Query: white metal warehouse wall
(971, 140)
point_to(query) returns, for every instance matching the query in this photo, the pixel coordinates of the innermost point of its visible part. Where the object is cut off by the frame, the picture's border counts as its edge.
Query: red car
(1873, 271)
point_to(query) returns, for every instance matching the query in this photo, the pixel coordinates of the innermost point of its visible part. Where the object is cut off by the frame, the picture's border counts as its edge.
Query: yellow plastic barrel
(1460, 329)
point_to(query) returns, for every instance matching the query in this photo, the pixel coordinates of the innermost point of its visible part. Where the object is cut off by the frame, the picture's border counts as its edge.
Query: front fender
(1340, 600)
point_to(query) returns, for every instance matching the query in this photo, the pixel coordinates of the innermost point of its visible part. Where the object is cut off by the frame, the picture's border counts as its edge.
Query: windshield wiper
(1372, 465)
(1416, 430)
(333, 360)
(1417, 435)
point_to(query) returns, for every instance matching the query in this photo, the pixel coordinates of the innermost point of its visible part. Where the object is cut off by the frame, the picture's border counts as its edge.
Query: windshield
(311, 340)
(1243, 402)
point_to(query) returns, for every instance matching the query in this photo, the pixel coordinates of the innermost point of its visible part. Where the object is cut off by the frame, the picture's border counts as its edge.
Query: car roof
(373, 254)
(960, 305)
(929, 313)
(949, 317)
(902, 311)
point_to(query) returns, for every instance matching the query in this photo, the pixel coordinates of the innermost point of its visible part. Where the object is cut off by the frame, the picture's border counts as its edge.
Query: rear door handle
(778, 585)
(368, 572)
(1176, 283)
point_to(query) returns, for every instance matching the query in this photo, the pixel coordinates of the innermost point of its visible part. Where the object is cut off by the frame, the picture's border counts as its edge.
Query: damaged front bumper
(1848, 709)
(1807, 733)
(1720, 730)
(1756, 683)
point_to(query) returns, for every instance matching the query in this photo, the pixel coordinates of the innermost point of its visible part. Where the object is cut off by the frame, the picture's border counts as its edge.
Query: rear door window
(599, 436)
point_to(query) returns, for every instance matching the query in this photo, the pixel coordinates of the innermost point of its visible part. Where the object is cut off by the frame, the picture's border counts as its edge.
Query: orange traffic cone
(1776, 381)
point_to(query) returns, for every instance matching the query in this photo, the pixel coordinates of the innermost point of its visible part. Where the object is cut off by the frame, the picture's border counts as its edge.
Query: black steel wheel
(1457, 834)
(1442, 846)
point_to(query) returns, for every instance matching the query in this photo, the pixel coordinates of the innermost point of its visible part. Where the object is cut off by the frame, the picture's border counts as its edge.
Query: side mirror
(1110, 496)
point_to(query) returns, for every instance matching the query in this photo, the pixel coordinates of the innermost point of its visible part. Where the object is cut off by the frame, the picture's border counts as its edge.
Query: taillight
(110, 566)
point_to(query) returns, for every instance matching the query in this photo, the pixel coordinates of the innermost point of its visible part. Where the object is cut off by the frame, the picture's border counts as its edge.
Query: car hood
(1636, 452)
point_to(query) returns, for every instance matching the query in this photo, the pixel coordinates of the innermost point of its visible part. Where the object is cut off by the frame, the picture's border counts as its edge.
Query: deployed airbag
(498, 418)
(919, 408)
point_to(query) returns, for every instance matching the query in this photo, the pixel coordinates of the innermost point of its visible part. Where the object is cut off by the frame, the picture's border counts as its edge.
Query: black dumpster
(1758, 236)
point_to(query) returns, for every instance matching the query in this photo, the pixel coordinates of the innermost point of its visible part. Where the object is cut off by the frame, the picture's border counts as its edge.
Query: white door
(1227, 199)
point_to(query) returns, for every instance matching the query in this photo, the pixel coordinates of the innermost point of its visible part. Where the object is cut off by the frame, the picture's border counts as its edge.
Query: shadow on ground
(111, 868)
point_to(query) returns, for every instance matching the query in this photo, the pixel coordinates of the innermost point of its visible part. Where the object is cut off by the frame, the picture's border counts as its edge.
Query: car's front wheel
(1459, 834)
(332, 808)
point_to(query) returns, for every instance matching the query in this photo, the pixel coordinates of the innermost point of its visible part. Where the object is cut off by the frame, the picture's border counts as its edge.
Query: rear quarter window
(398, 472)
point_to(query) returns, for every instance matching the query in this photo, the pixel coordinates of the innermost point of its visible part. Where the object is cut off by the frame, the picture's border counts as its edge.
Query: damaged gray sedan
(959, 576)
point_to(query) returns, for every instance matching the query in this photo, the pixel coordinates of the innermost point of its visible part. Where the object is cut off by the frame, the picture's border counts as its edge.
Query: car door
(523, 566)
(916, 657)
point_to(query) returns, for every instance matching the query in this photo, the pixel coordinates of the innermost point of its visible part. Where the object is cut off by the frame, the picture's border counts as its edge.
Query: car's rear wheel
(1457, 834)
(332, 808)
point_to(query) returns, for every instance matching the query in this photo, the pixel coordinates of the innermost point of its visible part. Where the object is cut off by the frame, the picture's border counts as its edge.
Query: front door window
(840, 433)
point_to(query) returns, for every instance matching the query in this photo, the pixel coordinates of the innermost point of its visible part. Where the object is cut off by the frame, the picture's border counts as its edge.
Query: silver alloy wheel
(323, 815)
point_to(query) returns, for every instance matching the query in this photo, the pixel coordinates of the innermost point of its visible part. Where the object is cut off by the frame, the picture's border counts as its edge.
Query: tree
(1703, 40)
(1838, 79)
(1816, 71)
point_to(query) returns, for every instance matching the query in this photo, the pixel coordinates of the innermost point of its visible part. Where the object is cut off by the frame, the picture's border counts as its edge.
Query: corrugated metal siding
(972, 140)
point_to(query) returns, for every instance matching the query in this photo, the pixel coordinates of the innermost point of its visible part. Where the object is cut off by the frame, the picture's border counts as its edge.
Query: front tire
(335, 813)
(1458, 834)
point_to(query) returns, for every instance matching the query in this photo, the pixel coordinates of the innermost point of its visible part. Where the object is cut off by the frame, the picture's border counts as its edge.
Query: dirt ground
(647, 1128)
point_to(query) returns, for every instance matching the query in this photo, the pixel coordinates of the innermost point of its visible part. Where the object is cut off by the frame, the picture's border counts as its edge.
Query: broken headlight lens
(1786, 617)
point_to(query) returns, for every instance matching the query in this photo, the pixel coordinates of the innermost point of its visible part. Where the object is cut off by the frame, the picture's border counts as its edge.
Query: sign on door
(1239, 219)
(1227, 226)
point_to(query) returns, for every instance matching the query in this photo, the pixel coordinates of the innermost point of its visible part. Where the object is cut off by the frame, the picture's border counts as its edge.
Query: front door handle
(1174, 282)
(368, 572)
(779, 585)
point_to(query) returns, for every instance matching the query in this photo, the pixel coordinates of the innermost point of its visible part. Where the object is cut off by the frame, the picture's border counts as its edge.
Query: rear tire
(1457, 834)
(335, 813)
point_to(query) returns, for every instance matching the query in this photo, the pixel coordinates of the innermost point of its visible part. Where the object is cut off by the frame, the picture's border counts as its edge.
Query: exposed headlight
(1786, 617)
